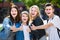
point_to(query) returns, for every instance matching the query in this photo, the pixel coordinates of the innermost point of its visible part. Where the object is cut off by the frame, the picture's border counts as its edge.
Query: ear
(53, 10)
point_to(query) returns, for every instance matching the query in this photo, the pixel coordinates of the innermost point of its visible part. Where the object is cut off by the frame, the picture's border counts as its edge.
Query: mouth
(48, 13)
(32, 14)
(14, 14)
(24, 19)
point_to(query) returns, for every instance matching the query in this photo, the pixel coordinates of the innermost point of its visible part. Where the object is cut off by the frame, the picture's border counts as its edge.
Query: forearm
(18, 29)
(44, 26)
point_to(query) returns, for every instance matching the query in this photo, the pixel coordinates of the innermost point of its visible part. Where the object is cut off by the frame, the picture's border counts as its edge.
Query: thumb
(33, 25)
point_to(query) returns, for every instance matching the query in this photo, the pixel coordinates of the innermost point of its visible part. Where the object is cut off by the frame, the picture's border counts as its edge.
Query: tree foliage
(29, 3)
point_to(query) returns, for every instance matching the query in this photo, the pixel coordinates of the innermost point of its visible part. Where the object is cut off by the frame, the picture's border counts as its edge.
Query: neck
(33, 18)
(51, 16)
(24, 23)
(14, 18)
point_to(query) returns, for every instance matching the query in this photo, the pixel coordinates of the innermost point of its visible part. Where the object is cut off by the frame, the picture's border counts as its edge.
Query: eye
(46, 9)
(49, 9)
(12, 11)
(23, 16)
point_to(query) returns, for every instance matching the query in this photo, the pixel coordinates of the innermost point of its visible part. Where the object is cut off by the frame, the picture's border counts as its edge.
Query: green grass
(1, 27)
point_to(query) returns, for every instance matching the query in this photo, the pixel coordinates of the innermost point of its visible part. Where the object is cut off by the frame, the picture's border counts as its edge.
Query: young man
(53, 23)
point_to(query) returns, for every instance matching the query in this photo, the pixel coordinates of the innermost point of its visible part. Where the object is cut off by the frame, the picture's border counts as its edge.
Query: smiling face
(14, 12)
(24, 18)
(49, 10)
(33, 12)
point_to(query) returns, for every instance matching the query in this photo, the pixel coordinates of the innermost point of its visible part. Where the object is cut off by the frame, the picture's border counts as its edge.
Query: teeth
(24, 19)
(48, 13)
(13, 14)
(32, 13)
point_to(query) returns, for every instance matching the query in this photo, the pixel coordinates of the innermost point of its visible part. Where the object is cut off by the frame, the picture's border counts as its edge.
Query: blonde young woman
(36, 20)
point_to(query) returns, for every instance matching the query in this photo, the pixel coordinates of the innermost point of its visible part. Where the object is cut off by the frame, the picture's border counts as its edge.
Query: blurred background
(25, 4)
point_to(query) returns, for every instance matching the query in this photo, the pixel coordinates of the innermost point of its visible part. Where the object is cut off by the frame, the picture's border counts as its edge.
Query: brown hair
(25, 12)
(17, 19)
(49, 4)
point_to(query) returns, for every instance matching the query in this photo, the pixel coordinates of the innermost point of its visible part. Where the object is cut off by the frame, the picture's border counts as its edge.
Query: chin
(24, 21)
(14, 17)
(49, 14)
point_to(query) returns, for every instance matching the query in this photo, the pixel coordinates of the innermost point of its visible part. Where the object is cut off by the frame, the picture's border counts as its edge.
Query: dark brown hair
(49, 4)
(17, 19)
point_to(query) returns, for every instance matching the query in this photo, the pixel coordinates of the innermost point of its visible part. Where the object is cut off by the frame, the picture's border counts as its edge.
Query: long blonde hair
(38, 11)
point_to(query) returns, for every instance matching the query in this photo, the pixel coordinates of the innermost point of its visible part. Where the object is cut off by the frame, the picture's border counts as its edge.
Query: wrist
(36, 28)
(18, 29)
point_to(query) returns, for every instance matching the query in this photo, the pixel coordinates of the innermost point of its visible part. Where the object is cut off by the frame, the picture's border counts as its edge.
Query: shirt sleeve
(56, 22)
(6, 23)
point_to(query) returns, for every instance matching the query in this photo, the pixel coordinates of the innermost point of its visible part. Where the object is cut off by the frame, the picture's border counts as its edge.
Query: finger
(13, 31)
(32, 25)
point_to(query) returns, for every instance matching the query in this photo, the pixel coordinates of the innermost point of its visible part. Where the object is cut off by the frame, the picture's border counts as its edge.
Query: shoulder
(56, 17)
(38, 18)
(38, 21)
(6, 18)
(18, 23)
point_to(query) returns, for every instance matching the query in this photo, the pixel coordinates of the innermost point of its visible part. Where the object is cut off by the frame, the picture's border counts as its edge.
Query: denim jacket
(6, 25)
(4, 34)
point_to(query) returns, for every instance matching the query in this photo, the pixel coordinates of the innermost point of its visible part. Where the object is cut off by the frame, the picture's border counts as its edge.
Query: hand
(33, 27)
(28, 30)
(14, 29)
(20, 28)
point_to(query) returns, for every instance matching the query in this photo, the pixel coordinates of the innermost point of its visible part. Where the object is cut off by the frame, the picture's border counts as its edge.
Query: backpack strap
(58, 30)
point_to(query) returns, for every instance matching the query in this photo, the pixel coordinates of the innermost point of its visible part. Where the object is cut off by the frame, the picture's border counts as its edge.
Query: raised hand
(33, 27)
(28, 29)
(13, 28)
(20, 28)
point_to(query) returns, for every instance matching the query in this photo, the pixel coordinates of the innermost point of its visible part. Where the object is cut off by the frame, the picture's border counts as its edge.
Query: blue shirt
(19, 34)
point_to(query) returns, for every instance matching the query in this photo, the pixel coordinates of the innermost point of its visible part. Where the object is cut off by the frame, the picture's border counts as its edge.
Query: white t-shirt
(52, 31)
(26, 33)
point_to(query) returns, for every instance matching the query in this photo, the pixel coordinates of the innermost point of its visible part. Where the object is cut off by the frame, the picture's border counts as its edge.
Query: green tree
(29, 3)
(56, 2)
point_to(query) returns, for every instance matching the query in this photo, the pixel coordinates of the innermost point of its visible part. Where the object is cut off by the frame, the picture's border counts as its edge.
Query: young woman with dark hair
(11, 25)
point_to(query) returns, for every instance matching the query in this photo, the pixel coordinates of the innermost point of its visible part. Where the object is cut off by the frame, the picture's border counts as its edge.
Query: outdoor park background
(5, 5)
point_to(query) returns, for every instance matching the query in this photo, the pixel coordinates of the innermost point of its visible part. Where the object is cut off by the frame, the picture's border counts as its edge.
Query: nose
(48, 10)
